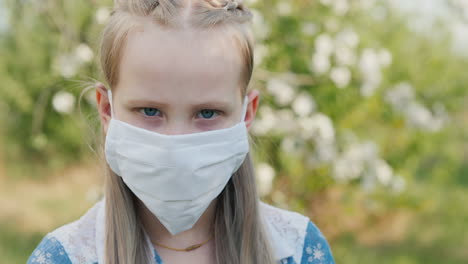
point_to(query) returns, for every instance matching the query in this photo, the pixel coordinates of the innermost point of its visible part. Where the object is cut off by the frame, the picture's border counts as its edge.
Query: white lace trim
(83, 240)
(287, 230)
(78, 238)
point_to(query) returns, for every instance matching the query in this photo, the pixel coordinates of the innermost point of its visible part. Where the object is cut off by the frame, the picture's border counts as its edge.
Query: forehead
(180, 61)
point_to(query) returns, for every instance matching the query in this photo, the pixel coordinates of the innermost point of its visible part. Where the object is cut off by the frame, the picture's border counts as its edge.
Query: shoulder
(71, 243)
(316, 247)
(295, 237)
(50, 250)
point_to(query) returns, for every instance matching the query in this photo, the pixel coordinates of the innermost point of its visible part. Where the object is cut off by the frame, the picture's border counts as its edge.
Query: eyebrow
(151, 103)
(146, 102)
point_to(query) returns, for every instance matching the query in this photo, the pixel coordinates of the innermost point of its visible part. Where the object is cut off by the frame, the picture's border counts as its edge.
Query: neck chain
(190, 248)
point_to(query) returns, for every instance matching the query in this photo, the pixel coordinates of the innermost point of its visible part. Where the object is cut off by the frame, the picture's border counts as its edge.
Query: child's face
(179, 82)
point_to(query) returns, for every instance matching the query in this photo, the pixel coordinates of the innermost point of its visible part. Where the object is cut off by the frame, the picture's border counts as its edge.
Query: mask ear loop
(109, 95)
(244, 108)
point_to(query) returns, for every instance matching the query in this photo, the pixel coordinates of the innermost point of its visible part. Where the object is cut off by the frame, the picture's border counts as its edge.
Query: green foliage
(46, 51)
(14, 243)
(350, 97)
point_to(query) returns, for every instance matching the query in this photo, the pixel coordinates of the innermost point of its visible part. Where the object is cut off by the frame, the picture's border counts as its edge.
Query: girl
(175, 116)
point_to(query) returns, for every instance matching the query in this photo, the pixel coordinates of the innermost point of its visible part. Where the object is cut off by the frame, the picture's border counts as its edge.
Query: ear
(103, 105)
(253, 97)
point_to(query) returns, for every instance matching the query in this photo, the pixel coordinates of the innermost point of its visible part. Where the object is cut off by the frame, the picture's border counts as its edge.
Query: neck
(201, 231)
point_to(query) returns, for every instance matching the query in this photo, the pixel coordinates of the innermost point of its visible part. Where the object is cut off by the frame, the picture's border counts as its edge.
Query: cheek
(207, 125)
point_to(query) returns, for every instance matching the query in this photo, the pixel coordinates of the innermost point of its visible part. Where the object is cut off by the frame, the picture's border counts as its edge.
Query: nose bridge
(177, 126)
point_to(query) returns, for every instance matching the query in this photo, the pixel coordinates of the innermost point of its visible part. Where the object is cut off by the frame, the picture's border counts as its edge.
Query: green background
(363, 124)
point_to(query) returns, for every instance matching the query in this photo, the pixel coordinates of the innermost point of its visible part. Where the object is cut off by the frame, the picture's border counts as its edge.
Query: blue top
(316, 251)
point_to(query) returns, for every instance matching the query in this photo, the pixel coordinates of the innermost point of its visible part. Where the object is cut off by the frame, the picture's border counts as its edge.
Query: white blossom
(345, 169)
(366, 4)
(351, 163)
(320, 63)
(292, 145)
(282, 91)
(361, 160)
(324, 44)
(259, 25)
(265, 176)
(309, 29)
(370, 68)
(324, 127)
(402, 99)
(346, 41)
(261, 52)
(269, 121)
(421, 117)
(102, 15)
(325, 151)
(286, 121)
(385, 57)
(84, 53)
(266, 121)
(323, 49)
(4, 18)
(308, 127)
(67, 65)
(303, 105)
(341, 76)
(368, 88)
(348, 37)
(400, 96)
(460, 36)
(345, 56)
(284, 8)
(379, 13)
(369, 61)
(463, 6)
(63, 102)
(341, 7)
(418, 114)
(326, 2)
(383, 171)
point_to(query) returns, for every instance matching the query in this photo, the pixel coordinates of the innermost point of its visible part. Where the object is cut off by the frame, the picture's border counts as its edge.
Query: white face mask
(175, 176)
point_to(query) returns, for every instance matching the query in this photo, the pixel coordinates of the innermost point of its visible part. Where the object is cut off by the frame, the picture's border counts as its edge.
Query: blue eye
(150, 111)
(207, 114)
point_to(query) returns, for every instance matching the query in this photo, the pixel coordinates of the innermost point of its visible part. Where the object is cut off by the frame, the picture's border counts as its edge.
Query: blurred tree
(362, 113)
(47, 58)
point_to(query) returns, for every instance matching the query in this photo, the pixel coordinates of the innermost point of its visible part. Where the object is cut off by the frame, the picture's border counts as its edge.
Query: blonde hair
(239, 233)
